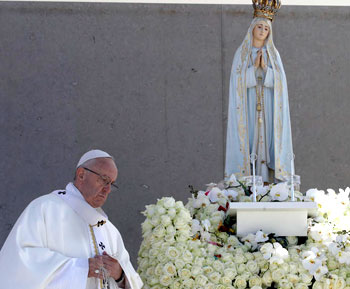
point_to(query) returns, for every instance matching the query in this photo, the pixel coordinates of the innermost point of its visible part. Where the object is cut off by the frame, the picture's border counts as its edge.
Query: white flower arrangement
(195, 246)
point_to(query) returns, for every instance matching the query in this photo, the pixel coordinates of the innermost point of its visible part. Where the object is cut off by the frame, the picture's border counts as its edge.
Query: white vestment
(49, 246)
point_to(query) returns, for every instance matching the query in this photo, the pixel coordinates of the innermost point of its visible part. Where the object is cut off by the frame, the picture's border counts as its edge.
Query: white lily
(279, 192)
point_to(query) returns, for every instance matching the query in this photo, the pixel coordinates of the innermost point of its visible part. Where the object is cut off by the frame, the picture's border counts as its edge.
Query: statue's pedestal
(281, 218)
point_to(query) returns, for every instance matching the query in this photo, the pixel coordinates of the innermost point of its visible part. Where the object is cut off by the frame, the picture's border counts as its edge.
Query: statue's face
(261, 30)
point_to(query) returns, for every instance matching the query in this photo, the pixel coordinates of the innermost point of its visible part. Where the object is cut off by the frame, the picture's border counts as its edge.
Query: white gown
(49, 246)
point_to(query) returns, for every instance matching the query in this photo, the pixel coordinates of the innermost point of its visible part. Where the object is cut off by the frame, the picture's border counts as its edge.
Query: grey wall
(149, 84)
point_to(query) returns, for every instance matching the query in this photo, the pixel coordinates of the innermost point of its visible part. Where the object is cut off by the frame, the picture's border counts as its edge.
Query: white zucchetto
(93, 154)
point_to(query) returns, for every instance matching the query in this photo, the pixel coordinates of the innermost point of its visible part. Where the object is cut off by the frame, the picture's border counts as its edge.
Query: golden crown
(266, 8)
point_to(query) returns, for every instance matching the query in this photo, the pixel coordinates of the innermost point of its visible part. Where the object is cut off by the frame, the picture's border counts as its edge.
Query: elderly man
(64, 239)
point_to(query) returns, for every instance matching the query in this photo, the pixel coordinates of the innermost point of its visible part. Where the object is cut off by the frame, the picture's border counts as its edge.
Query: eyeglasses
(106, 180)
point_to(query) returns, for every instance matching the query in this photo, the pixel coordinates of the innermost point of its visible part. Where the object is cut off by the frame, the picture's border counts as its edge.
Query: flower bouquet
(195, 246)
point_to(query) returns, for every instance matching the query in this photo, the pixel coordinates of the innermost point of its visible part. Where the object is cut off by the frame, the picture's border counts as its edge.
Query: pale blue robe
(267, 110)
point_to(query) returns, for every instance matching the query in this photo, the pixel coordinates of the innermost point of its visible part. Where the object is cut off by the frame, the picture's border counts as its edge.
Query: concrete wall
(149, 84)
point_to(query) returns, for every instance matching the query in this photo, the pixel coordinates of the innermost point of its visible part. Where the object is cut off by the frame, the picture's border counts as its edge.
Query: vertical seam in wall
(222, 91)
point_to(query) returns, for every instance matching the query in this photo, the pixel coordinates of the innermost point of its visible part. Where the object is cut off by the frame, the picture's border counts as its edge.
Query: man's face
(92, 186)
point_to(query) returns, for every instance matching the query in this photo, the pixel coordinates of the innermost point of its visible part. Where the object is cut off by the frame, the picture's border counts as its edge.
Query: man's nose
(107, 188)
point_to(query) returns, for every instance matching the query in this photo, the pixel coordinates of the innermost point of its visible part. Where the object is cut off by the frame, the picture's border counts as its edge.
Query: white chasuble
(49, 246)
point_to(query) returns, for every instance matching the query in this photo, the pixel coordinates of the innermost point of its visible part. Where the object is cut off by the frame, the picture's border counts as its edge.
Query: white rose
(230, 264)
(241, 268)
(152, 280)
(169, 238)
(187, 256)
(263, 265)
(179, 264)
(143, 263)
(301, 286)
(172, 212)
(175, 285)
(207, 270)
(150, 271)
(170, 269)
(153, 252)
(225, 280)
(214, 277)
(150, 210)
(209, 261)
(146, 226)
(249, 256)
(240, 283)
(196, 270)
(181, 246)
(172, 252)
(201, 280)
(159, 231)
(239, 250)
(239, 259)
(256, 287)
(165, 220)
(185, 274)
(285, 267)
(277, 275)
(199, 261)
(284, 283)
(162, 258)
(252, 266)
(267, 278)
(168, 203)
(226, 257)
(292, 240)
(230, 272)
(188, 283)
(293, 278)
(182, 238)
(255, 280)
(170, 230)
(218, 265)
(165, 280)
(160, 210)
(158, 271)
(233, 241)
(155, 220)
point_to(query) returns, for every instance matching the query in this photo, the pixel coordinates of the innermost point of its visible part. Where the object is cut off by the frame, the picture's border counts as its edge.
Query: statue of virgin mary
(258, 113)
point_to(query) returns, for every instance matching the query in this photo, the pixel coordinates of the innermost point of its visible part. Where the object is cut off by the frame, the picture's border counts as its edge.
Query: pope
(64, 239)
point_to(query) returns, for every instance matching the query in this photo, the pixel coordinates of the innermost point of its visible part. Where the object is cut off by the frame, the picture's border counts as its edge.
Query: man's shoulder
(50, 199)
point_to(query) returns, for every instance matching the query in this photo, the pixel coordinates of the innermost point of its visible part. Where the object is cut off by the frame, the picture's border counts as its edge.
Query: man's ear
(80, 174)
